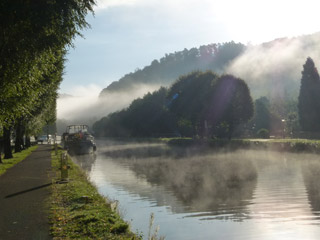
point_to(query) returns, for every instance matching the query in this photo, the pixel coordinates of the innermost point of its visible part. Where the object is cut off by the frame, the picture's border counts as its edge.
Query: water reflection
(281, 195)
(311, 175)
(237, 195)
(85, 161)
(202, 184)
(216, 185)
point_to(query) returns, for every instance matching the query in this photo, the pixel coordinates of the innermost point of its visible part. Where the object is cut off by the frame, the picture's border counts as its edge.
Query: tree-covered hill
(271, 69)
(166, 70)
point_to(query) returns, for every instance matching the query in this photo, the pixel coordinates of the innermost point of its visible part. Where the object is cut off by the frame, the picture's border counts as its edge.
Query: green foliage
(262, 115)
(200, 103)
(232, 103)
(33, 41)
(222, 130)
(268, 115)
(292, 123)
(225, 53)
(185, 127)
(263, 133)
(309, 98)
(112, 126)
(189, 96)
(211, 103)
(147, 117)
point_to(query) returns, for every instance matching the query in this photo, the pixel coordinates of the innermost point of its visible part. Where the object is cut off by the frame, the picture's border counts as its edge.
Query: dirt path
(24, 190)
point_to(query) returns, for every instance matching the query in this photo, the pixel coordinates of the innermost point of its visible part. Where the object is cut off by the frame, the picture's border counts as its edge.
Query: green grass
(174, 138)
(78, 211)
(17, 157)
(285, 140)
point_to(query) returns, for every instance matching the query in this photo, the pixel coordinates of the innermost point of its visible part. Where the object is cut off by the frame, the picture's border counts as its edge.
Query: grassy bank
(78, 211)
(288, 145)
(17, 157)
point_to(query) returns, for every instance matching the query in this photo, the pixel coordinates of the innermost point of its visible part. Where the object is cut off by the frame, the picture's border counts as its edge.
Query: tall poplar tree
(34, 36)
(309, 98)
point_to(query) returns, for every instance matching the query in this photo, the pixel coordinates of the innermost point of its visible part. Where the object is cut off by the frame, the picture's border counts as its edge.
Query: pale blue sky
(129, 34)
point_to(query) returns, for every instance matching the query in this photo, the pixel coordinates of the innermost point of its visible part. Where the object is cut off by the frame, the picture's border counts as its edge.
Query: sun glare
(258, 21)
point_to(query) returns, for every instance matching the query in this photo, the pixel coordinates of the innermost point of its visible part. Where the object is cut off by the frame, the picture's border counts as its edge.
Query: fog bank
(274, 69)
(85, 106)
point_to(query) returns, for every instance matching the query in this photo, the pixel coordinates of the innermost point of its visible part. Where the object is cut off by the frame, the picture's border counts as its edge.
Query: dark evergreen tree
(309, 98)
(262, 115)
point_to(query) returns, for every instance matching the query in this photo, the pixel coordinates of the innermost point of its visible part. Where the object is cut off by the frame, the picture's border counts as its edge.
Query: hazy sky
(129, 34)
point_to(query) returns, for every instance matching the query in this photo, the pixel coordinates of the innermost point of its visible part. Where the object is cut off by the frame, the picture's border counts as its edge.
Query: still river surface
(198, 194)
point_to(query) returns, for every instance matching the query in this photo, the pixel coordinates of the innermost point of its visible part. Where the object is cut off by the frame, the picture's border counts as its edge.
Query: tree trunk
(7, 143)
(231, 130)
(28, 142)
(23, 131)
(19, 138)
(1, 148)
(47, 131)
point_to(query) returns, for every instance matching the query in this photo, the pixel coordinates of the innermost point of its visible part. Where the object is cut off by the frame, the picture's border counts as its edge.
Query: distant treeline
(205, 104)
(271, 70)
(214, 57)
(200, 103)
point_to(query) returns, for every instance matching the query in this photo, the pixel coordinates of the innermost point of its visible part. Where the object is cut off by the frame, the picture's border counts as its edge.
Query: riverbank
(197, 194)
(286, 145)
(78, 211)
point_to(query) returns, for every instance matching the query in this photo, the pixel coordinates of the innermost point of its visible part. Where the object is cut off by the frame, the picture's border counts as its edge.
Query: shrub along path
(24, 190)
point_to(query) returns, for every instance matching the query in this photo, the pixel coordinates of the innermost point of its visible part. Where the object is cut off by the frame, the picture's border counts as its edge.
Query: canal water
(201, 194)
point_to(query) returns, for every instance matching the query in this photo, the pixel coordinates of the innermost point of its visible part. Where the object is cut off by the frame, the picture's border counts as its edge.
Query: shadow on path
(28, 190)
(24, 194)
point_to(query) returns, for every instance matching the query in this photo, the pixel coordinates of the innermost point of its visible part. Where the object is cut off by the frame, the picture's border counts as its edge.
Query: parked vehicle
(45, 139)
(78, 140)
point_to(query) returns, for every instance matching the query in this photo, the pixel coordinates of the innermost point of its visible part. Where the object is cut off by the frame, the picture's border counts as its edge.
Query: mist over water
(85, 106)
(201, 194)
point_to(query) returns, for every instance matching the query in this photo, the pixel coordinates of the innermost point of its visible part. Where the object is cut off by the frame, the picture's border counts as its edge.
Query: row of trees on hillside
(206, 104)
(33, 41)
(164, 72)
(200, 103)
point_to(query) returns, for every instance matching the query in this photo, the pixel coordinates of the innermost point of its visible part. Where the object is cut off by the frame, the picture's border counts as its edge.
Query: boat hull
(79, 148)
